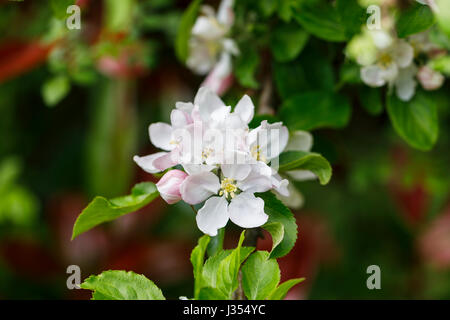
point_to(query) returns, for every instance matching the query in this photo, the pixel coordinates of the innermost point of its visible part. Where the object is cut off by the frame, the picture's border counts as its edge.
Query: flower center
(257, 153)
(206, 153)
(385, 60)
(228, 188)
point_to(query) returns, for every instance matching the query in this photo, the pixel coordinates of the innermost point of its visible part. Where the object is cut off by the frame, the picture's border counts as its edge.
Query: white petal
(272, 138)
(199, 187)
(302, 175)
(280, 185)
(208, 102)
(295, 200)
(179, 119)
(207, 28)
(161, 135)
(201, 60)
(256, 181)
(381, 39)
(247, 211)
(185, 106)
(225, 13)
(197, 168)
(146, 163)
(405, 88)
(213, 215)
(390, 73)
(299, 141)
(245, 109)
(373, 76)
(403, 54)
(236, 171)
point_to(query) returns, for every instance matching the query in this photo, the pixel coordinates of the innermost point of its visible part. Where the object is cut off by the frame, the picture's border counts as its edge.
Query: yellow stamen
(228, 187)
(257, 154)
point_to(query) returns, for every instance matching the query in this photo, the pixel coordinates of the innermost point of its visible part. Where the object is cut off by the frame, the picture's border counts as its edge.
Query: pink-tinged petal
(245, 109)
(167, 161)
(430, 79)
(208, 102)
(213, 215)
(199, 187)
(161, 135)
(146, 163)
(220, 78)
(247, 211)
(169, 185)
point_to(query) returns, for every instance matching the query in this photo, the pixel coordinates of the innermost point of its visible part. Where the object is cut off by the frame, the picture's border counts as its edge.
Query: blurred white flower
(210, 47)
(385, 60)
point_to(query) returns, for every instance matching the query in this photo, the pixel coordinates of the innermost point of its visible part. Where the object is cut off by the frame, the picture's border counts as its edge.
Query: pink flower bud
(169, 186)
(430, 79)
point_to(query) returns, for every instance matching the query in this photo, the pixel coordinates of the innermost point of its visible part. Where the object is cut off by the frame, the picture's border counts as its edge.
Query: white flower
(225, 163)
(166, 137)
(393, 65)
(210, 49)
(230, 197)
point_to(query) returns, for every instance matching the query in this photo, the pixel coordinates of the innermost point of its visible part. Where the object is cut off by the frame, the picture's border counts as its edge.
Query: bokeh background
(75, 107)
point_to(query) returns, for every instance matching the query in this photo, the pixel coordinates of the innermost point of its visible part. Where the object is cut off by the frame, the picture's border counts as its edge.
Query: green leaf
(208, 293)
(441, 64)
(216, 243)
(415, 121)
(322, 20)
(289, 78)
(260, 275)
(197, 256)
(280, 292)
(443, 15)
(59, 7)
(315, 109)
(227, 275)
(278, 212)
(184, 30)
(122, 285)
(302, 160)
(211, 267)
(371, 99)
(102, 210)
(246, 65)
(416, 19)
(55, 89)
(276, 230)
(287, 41)
(351, 15)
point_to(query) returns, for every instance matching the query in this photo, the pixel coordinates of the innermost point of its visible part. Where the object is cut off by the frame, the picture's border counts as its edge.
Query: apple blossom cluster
(386, 59)
(211, 49)
(218, 160)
